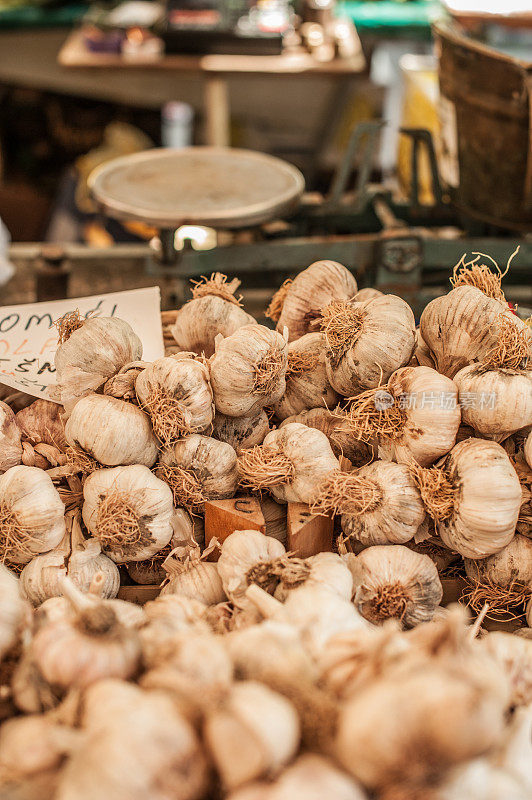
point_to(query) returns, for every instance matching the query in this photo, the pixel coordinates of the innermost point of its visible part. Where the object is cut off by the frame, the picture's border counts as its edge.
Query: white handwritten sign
(28, 336)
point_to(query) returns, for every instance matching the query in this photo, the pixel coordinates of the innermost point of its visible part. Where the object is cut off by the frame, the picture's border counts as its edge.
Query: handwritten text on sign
(28, 336)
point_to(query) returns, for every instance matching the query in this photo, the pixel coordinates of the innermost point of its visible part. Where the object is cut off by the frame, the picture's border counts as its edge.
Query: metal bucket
(486, 129)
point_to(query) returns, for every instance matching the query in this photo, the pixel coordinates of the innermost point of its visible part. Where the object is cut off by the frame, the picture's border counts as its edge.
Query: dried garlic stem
(341, 323)
(167, 416)
(273, 311)
(217, 285)
(470, 273)
(347, 493)
(79, 461)
(513, 349)
(268, 371)
(372, 414)
(67, 324)
(185, 486)
(437, 491)
(261, 467)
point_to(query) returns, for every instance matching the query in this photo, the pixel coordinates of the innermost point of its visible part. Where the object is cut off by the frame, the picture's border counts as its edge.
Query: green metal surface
(391, 18)
(35, 16)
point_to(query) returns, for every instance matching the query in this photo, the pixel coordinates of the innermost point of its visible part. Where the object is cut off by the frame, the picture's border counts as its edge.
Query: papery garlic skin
(368, 293)
(340, 438)
(512, 563)
(460, 327)
(398, 513)
(241, 551)
(327, 570)
(198, 580)
(93, 353)
(241, 432)
(42, 421)
(311, 290)
(480, 780)
(10, 434)
(211, 463)
(488, 500)
(392, 581)
(32, 744)
(252, 735)
(503, 400)
(185, 381)
(527, 449)
(148, 507)
(238, 388)
(384, 343)
(111, 431)
(433, 415)
(200, 321)
(514, 656)
(13, 610)
(307, 387)
(32, 514)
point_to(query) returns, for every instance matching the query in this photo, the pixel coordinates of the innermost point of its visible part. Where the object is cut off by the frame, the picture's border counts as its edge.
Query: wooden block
(224, 517)
(308, 533)
(139, 594)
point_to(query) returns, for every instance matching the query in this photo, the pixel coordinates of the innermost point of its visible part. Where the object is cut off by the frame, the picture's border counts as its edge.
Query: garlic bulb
(298, 303)
(307, 384)
(480, 780)
(241, 432)
(414, 725)
(252, 734)
(193, 577)
(32, 515)
(134, 747)
(250, 557)
(324, 569)
(527, 449)
(460, 327)
(43, 434)
(198, 468)
(151, 571)
(90, 352)
(111, 431)
(213, 310)
(13, 610)
(496, 394)
(10, 444)
(32, 744)
(392, 581)
(367, 342)
(291, 463)
(512, 563)
(379, 504)
(168, 616)
(129, 511)
(76, 557)
(515, 754)
(474, 498)
(514, 656)
(248, 371)
(366, 294)
(338, 431)
(122, 385)
(176, 393)
(415, 416)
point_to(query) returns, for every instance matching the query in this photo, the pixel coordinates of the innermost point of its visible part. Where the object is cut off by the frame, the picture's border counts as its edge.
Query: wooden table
(215, 69)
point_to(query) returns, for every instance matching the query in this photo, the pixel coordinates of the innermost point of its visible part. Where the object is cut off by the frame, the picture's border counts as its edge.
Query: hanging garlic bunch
(32, 515)
(291, 463)
(310, 777)
(394, 582)
(248, 371)
(43, 434)
(411, 724)
(297, 304)
(129, 511)
(176, 393)
(307, 384)
(111, 431)
(13, 610)
(415, 416)
(91, 351)
(496, 393)
(367, 341)
(252, 734)
(474, 498)
(135, 745)
(191, 576)
(337, 429)
(241, 432)
(379, 504)
(514, 656)
(213, 310)
(10, 434)
(76, 557)
(198, 468)
(460, 327)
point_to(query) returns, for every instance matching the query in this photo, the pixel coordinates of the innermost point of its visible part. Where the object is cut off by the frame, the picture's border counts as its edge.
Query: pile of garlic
(256, 673)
